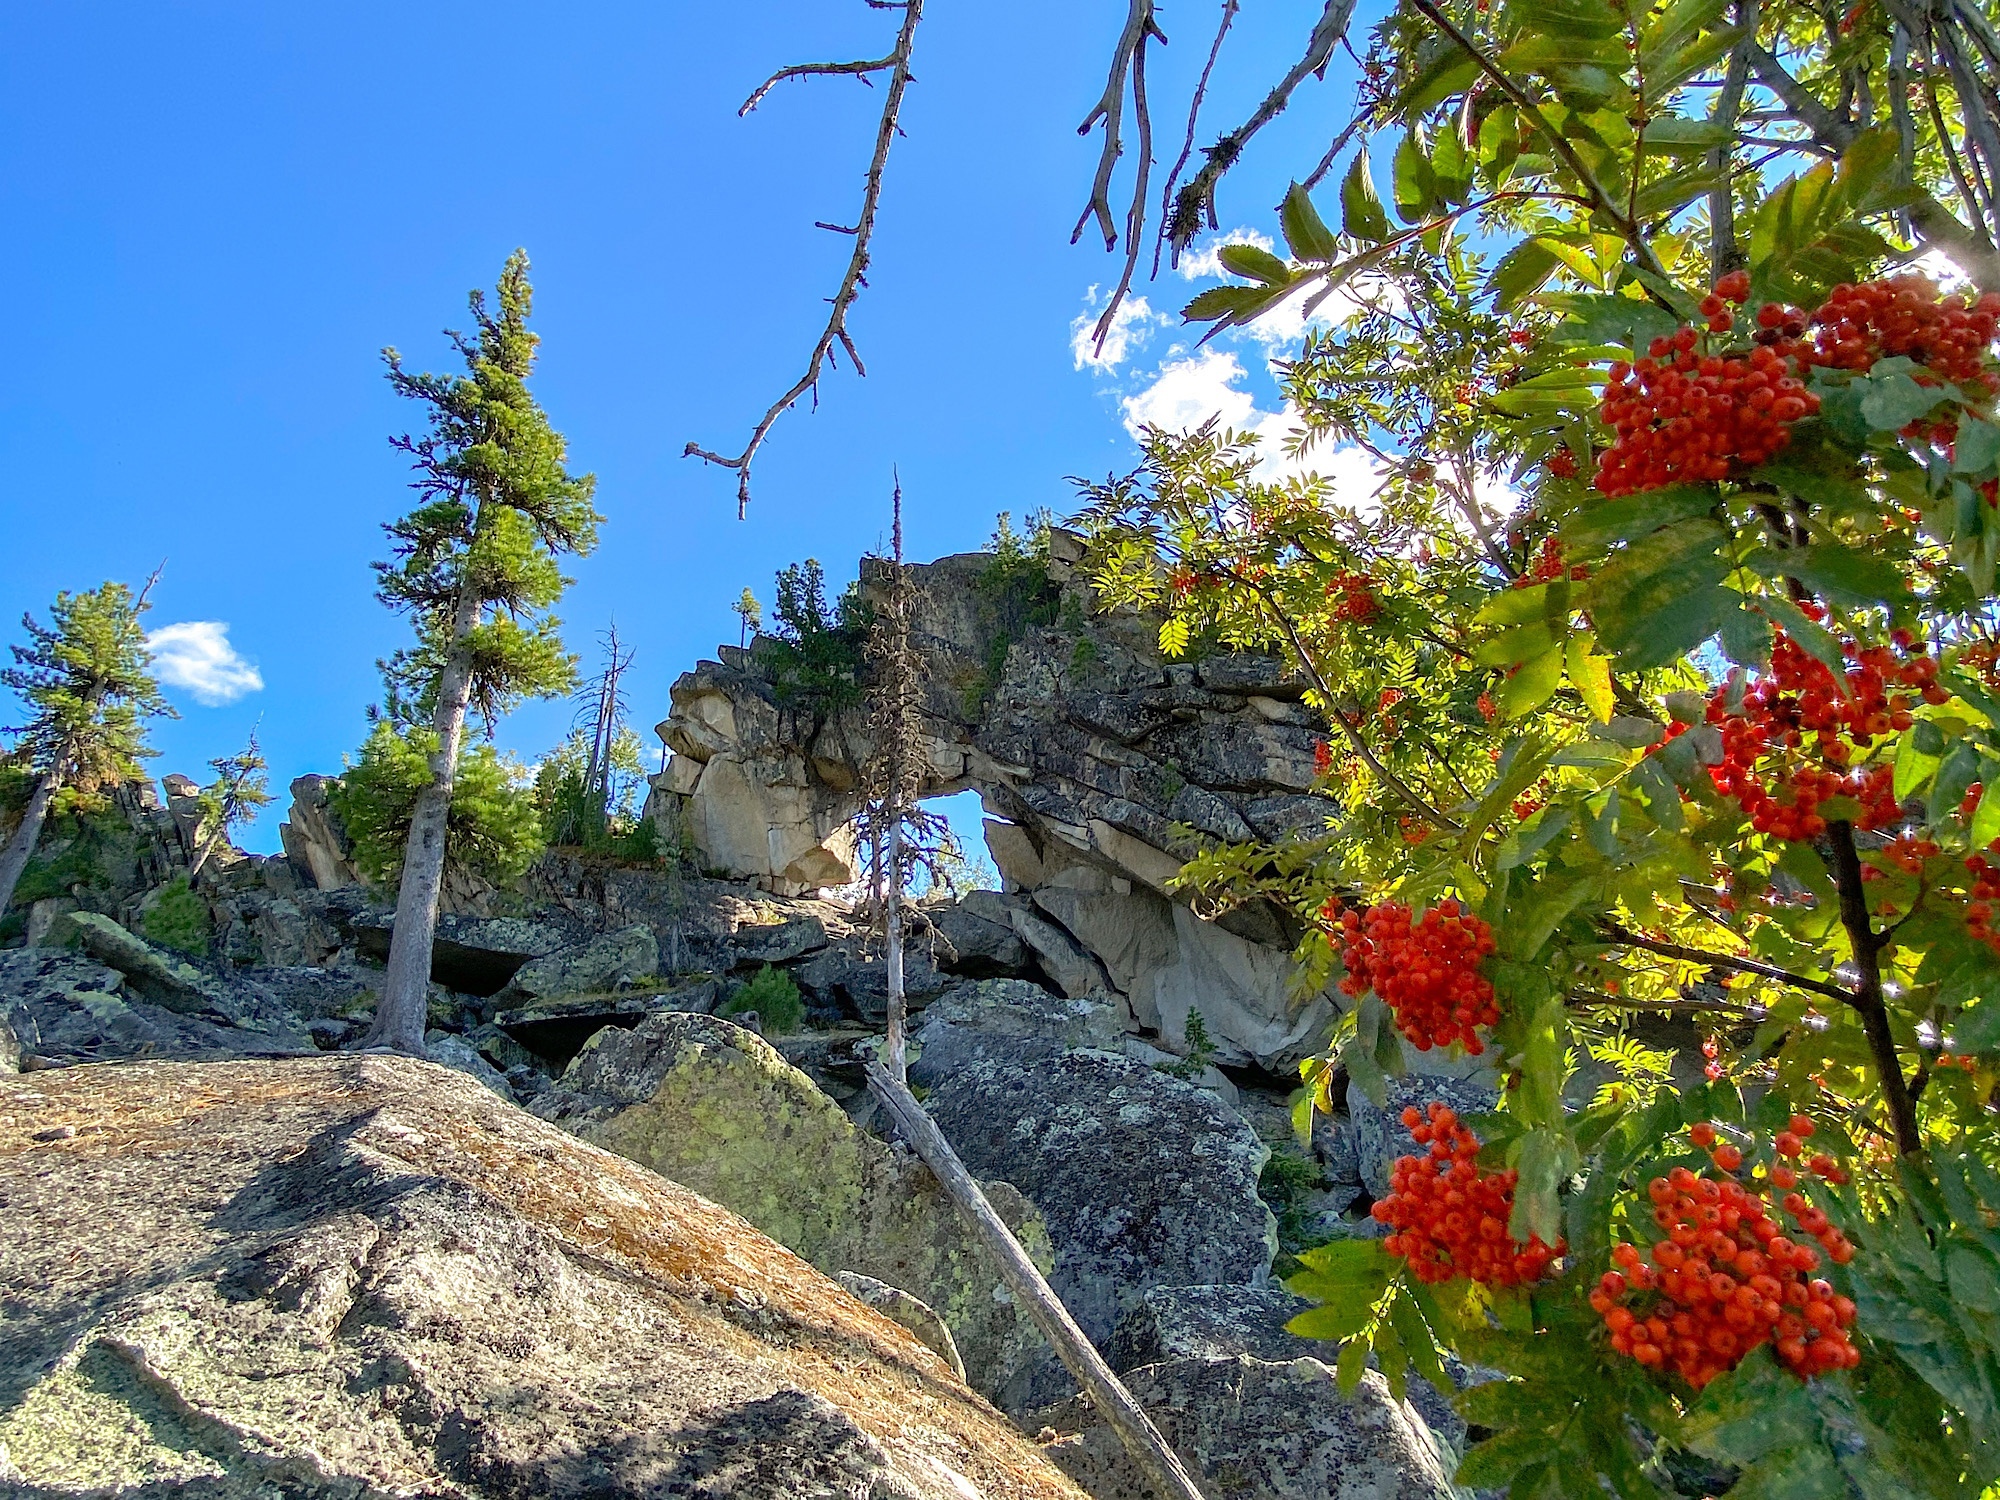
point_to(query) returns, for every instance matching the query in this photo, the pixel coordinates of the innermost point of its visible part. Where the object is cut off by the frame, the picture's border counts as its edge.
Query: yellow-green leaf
(1174, 635)
(1590, 675)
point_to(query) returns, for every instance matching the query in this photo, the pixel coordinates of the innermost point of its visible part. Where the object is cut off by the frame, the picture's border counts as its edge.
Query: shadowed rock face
(350, 1276)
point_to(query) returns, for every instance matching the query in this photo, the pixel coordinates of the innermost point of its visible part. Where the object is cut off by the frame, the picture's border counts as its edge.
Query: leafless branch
(851, 282)
(1110, 109)
(1229, 9)
(1135, 216)
(1196, 204)
(859, 70)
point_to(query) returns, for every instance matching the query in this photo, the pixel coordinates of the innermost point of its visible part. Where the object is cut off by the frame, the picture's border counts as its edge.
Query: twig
(863, 232)
(1626, 938)
(1588, 999)
(1149, 1452)
(1229, 9)
(1723, 254)
(1135, 218)
(1110, 109)
(1865, 999)
(1196, 204)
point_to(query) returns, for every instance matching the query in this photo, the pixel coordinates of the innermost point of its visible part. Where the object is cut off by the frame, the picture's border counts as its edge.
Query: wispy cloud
(196, 655)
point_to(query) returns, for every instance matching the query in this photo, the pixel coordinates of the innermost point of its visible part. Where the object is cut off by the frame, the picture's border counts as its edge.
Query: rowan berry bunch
(1425, 969)
(1725, 1276)
(1549, 565)
(1353, 598)
(1950, 336)
(1787, 744)
(1982, 899)
(1448, 1218)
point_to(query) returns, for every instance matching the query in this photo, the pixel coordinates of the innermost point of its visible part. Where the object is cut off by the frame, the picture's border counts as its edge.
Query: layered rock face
(1086, 747)
(366, 1276)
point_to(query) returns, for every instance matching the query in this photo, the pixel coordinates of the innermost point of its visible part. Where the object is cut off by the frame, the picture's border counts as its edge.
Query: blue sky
(216, 214)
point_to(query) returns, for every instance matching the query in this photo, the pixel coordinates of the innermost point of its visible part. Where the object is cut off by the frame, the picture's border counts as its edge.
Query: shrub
(494, 830)
(179, 919)
(773, 995)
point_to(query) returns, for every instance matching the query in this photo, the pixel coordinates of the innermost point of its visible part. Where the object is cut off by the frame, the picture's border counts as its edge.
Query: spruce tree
(84, 678)
(477, 570)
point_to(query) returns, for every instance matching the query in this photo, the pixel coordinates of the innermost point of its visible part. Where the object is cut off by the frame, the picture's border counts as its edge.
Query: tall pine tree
(84, 677)
(477, 569)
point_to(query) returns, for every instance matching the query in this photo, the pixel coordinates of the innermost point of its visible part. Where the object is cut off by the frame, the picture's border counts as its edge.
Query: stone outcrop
(712, 1106)
(611, 961)
(1087, 747)
(366, 1276)
(1265, 1430)
(1143, 1180)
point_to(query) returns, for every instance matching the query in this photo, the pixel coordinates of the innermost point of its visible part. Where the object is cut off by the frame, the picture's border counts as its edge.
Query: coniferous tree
(477, 569)
(751, 613)
(84, 677)
(242, 785)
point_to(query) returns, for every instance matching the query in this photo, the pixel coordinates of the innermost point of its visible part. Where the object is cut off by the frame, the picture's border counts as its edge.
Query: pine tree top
(85, 679)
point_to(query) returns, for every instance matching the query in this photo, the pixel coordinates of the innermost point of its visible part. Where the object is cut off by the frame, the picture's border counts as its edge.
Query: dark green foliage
(607, 822)
(773, 995)
(1286, 1183)
(84, 678)
(498, 509)
(84, 845)
(180, 920)
(495, 829)
(814, 650)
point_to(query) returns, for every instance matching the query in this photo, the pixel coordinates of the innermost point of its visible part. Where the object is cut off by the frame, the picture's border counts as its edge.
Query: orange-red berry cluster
(1353, 598)
(1800, 706)
(1905, 315)
(1725, 1276)
(1425, 969)
(1982, 899)
(1686, 413)
(1449, 1219)
(1549, 565)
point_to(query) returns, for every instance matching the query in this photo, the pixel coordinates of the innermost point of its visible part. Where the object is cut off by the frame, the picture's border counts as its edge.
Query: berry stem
(1865, 999)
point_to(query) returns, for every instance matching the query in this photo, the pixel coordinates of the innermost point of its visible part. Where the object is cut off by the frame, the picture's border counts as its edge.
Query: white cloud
(196, 655)
(1187, 392)
(1131, 326)
(1207, 263)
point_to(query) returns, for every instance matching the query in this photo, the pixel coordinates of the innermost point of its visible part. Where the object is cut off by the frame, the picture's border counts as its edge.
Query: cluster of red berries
(1905, 315)
(1982, 899)
(1725, 1277)
(1549, 565)
(1449, 1219)
(1353, 599)
(1682, 413)
(1425, 969)
(1322, 758)
(1800, 706)
(1561, 464)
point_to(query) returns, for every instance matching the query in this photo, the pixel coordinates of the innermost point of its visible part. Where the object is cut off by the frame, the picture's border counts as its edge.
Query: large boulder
(1144, 1180)
(1007, 1018)
(609, 961)
(1213, 1322)
(476, 955)
(1257, 1430)
(346, 1277)
(557, 1029)
(716, 1107)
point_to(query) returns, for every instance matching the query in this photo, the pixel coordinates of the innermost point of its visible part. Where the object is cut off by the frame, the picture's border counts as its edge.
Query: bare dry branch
(859, 70)
(1110, 109)
(1229, 9)
(863, 233)
(1196, 204)
(1135, 216)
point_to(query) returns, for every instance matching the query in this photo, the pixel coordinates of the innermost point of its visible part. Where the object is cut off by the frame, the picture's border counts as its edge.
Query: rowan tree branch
(1624, 937)
(863, 232)
(1229, 9)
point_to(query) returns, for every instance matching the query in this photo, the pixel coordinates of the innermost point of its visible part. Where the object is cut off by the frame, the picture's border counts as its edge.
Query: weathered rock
(456, 1053)
(1378, 1132)
(845, 978)
(978, 947)
(368, 1276)
(898, 1306)
(155, 976)
(608, 962)
(706, 1103)
(1213, 1322)
(779, 942)
(1074, 969)
(475, 955)
(10, 1046)
(1257, 1430)
(317, 992)
(314, 839)
(557, 1029)
(45, 926)
(1143, 1180)
(1002, 1019)
(64, 1008)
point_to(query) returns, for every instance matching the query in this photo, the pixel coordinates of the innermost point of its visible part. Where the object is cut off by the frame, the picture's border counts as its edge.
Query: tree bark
(14, 858)
(894, 1046)
(1866, 999)
(405, 1004)
(1149, 1452)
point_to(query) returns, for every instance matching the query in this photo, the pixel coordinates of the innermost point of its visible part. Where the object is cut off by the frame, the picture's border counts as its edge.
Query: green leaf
(1590, 675)
(1451, 165)
(1416, 186)
(1174, 636)
(1520, 273)
(1892, 400)
(1986, 820)
(1544, 1158)
(1232, 304)
(1818, 641)
(1532, 683)
(1630, 517)
(1306, 233)
(1976, 448)
(1361, 209)
(1521, 643)
(1914, 768)
(1746, 638)
(1843, 575)
(1256, 263)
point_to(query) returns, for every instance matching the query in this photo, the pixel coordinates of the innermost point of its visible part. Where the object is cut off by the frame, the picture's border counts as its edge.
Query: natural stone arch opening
(1086, 749)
